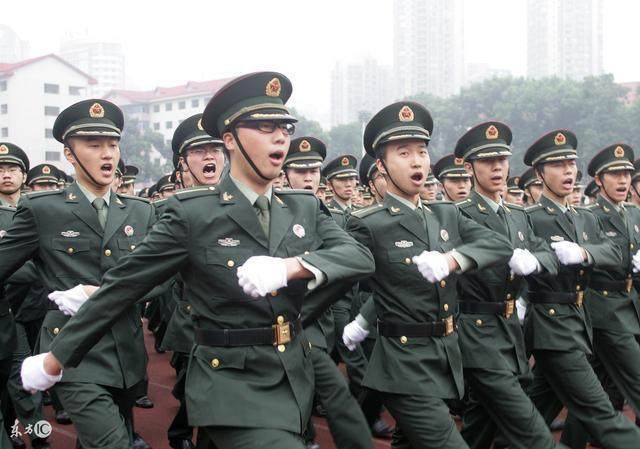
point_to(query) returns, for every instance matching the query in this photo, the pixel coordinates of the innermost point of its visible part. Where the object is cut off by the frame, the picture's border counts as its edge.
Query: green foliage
(137, 148)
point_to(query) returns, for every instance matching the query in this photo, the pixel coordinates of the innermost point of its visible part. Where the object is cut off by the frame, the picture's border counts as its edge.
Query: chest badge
(521, 236)
(444, 235)
(611, 233)
(404, 244)
(228, 242)
(299, 231)
(128, 230)
(557, 238)
(70, 234)
(585, 237)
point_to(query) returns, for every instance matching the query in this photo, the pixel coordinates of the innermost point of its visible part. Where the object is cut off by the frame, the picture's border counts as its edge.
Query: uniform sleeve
(20, 243)
(603, 253)
(541, 250)
(161, 254)
(482, 245)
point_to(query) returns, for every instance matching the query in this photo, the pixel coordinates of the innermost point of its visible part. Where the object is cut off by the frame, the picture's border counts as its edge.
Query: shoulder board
(40, 193)
(133, 197)
(534, 208)
(592, 206)
(335, 211)
(436, 204)
(365, 212)
(627, 204)
(582, 207)
(7, 209)
(464, 203)
(293, 191)
(514, 206)
(195, 192)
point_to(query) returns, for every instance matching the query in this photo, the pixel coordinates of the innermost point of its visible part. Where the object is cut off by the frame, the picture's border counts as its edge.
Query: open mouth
(209, 170)
(417, 178)
(568, 184)
(276, 157)
(622, 190)
(497, 178)
(308, 187)
(106, 169)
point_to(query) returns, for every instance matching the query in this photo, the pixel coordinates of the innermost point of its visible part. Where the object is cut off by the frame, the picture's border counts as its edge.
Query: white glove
(569, 253)
(523, 263)
(353, 334)
(261, 274)
(635, 261)
(34, 378)
(69, 301)
(521, 309)
(432, 265)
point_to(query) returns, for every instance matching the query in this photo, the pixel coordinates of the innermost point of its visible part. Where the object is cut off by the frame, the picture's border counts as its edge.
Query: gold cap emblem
(491, 133)
(200, 127)
(618, 152)
(345, 161)
(516, 180)
(4, 149)
(273, 88)
(46, 170)
(560, 139)
(304, 146)
(96, 110)
(406, 114)
(458, 161)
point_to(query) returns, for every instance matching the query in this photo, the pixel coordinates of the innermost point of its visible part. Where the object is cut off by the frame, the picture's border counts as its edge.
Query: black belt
(431, 329)
(277, 334)
(612, 286)
(556, 297)
(506, 308)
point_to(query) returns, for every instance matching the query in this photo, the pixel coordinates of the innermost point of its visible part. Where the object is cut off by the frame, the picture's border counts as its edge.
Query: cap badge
(491, 133)
(406, 114)
(96, 110)
(560, 139)
(273, 88)
(299, 231)
(444, 235)
(618, 152)
(200, 125)
(304, 146)
(46, 170)
(345, 161)
(4, 149)
(458, 161)
(404, 244)
(128, 230)
(516, 180)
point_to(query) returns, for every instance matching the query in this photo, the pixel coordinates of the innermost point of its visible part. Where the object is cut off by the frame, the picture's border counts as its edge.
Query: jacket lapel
(83, 209)
(613, 215)
(241, 211)
(408, 218)
(281, 219)
(560, 219)
(489, 217)
(117, 214)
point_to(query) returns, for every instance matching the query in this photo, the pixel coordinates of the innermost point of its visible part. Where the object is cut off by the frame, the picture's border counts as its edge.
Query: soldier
(128, 180)
(342, 179)
(322, 189)
(557, 329)
(73, 236)
(346, 421)
(416, 362)
(371, 177)
(591, 191)
(635, 183)
(491, 340)
(456, 182)
(531, 186)
(14, 165)
(166, 186)
(429, 191)
(249, 348)
(576, 196)
(43, 177)
(514, 194)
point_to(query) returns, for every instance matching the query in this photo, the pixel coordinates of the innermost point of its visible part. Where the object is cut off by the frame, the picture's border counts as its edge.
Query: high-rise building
(428, 47)
(12, 48)
(359, 88)
(564, 38)
(104, 61)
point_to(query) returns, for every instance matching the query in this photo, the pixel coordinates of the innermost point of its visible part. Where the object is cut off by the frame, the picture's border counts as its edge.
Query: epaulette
(533, 208)
(7, 209)
(336, 211)
(628, 204)
(514, 206)
(464, 203)
(592, 206)
(40, 193)
(133, 197)
(365, 212)
(293, 191)
(195, 192)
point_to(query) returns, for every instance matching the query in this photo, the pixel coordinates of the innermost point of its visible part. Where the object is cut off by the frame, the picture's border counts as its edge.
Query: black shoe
(62, 417)
(313, 445)
(557, 424)
(380, 429)
(144, 402)
(139, 443)
(40, 443)
(17, 442)
(181, 444)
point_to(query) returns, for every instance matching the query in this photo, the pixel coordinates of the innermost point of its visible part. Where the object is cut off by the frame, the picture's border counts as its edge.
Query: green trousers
(250, 438)
(498, 402)
(574, 384)
(5, 367)
(355, 360)
(99, 413)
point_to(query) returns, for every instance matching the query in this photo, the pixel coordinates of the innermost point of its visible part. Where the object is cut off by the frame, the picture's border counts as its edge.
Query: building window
(156, 126)
(51, 110)
(52, 156)
(156, 108)
(145, 124)
(48, 133)
(168, 124)
(3, 108)
(4, 132)
(145, 109)
(182, 104)
(3, 85)
(51, 88)
(74, 90)
(195, 103)
(168, 106)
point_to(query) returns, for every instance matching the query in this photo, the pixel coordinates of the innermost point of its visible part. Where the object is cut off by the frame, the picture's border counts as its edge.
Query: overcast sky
(170, 43)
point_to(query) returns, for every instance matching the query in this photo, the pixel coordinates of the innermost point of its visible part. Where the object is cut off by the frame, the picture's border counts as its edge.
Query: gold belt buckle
(579, 298)
(282, 333)
(629, 285)
(509, 308)
(448, 325)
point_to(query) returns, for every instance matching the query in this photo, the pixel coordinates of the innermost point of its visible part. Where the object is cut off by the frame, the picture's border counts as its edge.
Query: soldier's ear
(598, 180)
(229, 141)
(69, 155)
(468, 166)
(380, 167)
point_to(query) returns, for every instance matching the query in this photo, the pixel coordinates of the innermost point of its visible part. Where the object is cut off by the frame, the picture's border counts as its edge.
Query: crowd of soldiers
(447, 290)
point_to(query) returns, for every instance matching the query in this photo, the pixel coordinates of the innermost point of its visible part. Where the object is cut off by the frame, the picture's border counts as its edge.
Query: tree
(140, 147)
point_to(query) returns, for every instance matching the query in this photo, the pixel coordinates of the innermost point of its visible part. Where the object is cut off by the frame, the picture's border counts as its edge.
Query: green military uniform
(347, 424)
(416, 361)
(61, 231)
(557, 328)
(591, 191)
(491, 341)
(250, 379)
(528, 179)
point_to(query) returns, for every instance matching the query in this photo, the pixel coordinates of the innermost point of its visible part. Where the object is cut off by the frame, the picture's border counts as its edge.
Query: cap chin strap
(191, 172)
(391, 179)
(550, 189)
(86, 172)
(247, 158)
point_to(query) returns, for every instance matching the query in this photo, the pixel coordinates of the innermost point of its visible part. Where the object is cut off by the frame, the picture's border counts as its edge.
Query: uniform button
(281, 348)
(215, 363)
(306, 252)
(407, 261)
(403, 340)
(578, 288)
(446, 307)
(552, 312)
(632, 246)
(478, 322)
(443, 283)
(274, 293)
(309, 345)
(581, 272)
(212, 188)
(605, 293)
(56, 330)
(188, 307)
(107, 252)
(280, 319)
(132, 247)
(508, 295)
(230, 263)
(70, 250)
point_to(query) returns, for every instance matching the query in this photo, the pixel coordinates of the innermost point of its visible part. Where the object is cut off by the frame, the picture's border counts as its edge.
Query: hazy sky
(170, 43)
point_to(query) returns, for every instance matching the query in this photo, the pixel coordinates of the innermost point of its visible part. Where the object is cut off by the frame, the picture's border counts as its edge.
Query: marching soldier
(14, 165)
(456, 182)
(635, 184)
(371, 177)
(416, 362)
(128, 180)
(531, 186)
(43, 177)
(342, 179)
(576, 196)
(429, 191)
(514, 194)
(591, 191)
